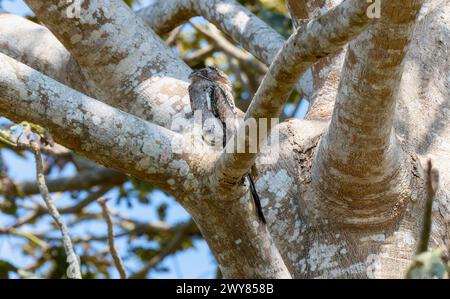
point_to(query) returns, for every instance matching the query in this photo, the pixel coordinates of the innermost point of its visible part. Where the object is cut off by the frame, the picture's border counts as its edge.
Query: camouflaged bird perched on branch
(345, 196)
(211, 91)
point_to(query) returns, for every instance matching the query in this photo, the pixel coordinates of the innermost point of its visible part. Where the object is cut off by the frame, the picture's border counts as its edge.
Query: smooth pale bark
(127, 64)
(318, 39)
(82, 181)
(360, 148)
(146, 151)
(423, 107)
(264, 45)
(229, 16)
(308, 239)
(98, 131)
(60, 65)
(35, 46)
(325, 73)
(385, 252)
(246, 29)
(133, 69)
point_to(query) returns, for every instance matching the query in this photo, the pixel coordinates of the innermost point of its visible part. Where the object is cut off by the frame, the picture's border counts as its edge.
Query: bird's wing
(200, 97)
(223, 103)
(215, 100)
(193, 94)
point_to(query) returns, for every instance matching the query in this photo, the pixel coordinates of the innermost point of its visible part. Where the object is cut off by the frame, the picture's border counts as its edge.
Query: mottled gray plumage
(211, 92)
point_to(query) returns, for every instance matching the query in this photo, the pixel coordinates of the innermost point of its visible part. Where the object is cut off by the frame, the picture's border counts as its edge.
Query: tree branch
(199, 56)
(127, 64)
(164, 16)
(230, 17)
(326, 72)
(136, 228)
(215, 36)
(18, 38)
(173, 36)
(132, 73)
(100, 132)
(298, 10)
(178, 238)
(81, 181)
(318, 39)
(112, 248)
(74, 267)
(148, 104)
(360, 145)
(40, 211)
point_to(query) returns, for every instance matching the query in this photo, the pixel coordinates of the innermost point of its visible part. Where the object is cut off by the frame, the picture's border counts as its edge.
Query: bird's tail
(256, 199)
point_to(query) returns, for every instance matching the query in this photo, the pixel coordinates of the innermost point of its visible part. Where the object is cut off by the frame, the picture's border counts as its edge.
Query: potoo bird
(211, 92)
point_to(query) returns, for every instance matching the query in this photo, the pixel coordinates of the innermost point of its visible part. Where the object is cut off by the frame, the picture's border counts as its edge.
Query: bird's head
(210, 73)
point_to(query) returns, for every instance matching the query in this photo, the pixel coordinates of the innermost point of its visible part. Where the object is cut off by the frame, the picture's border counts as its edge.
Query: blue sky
(192, 263)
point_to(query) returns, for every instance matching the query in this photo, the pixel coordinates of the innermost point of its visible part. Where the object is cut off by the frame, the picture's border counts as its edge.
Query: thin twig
(40, 211)
(83, 180)
(74, 267)
(432, 183)
(112, 248)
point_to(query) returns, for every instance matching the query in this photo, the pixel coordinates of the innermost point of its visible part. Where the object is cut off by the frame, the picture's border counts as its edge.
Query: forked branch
(318, 39)
(360, 145)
